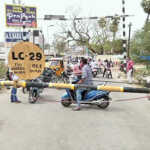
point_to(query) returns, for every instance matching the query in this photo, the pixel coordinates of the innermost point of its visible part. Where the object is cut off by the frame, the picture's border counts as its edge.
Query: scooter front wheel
(66, 103)
(104, 103)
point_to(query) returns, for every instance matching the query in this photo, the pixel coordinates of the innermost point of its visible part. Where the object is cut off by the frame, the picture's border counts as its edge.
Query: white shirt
(15, 77)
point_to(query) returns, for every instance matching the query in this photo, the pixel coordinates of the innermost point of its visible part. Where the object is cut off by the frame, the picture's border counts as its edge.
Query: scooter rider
(85, 79)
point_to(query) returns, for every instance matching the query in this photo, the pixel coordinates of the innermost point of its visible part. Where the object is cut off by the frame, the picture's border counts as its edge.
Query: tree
(59, 44)
(114, 28)
(140, 44)
(117, 46)
(146, 7)
(103, 35)
(81, 34)
(96, 35)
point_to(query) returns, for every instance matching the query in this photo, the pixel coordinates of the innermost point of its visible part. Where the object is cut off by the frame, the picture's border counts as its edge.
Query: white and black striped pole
(124, 29)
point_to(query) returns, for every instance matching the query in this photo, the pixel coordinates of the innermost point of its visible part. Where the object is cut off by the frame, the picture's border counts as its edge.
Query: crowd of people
(105, 67)
(100, 66)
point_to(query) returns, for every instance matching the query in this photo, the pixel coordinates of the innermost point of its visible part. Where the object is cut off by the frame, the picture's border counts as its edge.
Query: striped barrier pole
(74, 86)
(124, 27)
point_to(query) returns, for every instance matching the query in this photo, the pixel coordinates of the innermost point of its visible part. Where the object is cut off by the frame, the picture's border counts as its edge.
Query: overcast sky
(88, 8)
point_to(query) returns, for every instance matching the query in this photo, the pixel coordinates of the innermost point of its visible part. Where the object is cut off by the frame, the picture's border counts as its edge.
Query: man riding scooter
(78, 96)
(86, 78)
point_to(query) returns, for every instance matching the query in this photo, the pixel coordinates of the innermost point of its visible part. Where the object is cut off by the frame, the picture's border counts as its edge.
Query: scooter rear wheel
(33, 97)
(104, 103)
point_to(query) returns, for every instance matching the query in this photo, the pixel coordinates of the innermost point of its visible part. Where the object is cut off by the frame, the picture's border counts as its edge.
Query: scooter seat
(95, 94)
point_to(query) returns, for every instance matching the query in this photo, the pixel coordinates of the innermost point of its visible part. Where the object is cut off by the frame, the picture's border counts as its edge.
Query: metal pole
(33, 37)
(43, 41)
(48, 35)
(128, 52)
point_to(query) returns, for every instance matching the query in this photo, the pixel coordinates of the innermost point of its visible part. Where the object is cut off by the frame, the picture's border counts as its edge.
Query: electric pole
(128, 52)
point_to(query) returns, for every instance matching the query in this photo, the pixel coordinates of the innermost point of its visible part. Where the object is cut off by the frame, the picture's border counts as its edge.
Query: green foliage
(106, 47)
(114, 24)
(3, 70)
(141, 38)
(140, 45)
(118, 46)
(102, 22)
(109, 29)
(98, 48)
(146, 5)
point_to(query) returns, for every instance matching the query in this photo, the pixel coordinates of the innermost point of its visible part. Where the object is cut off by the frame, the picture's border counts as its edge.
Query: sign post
(26, 60)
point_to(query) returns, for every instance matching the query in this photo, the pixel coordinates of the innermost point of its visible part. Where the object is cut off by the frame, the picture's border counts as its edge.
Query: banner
(16, 36)
(17, 16)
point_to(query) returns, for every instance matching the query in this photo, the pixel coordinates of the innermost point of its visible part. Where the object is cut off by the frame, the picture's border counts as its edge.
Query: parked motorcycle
(34, 92)
(94, 72)
(47, 75)
(91, 97)
(108, 73)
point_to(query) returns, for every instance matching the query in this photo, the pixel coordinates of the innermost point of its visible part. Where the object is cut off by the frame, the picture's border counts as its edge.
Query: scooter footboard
(66, 95)
(96, 94)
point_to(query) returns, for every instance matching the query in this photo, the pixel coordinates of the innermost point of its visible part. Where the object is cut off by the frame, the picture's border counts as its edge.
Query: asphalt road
(47, 125)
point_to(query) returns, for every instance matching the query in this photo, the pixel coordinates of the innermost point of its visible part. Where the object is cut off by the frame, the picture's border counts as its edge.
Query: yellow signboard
(26, 60)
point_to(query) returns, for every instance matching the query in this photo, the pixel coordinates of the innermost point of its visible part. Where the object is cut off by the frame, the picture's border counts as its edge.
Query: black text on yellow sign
(32, 56)
(26, 60)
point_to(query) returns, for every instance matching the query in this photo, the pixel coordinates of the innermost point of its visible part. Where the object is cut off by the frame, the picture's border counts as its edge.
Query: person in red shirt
(129, 70)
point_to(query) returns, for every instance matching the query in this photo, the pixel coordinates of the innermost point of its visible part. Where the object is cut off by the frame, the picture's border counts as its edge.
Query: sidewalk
(118, 75)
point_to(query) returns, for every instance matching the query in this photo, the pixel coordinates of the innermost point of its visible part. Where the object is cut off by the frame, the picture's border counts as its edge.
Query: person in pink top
(77, 71)
(129, 70)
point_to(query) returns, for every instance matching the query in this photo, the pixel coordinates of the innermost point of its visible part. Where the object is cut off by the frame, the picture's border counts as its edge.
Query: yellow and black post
(75, 86)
